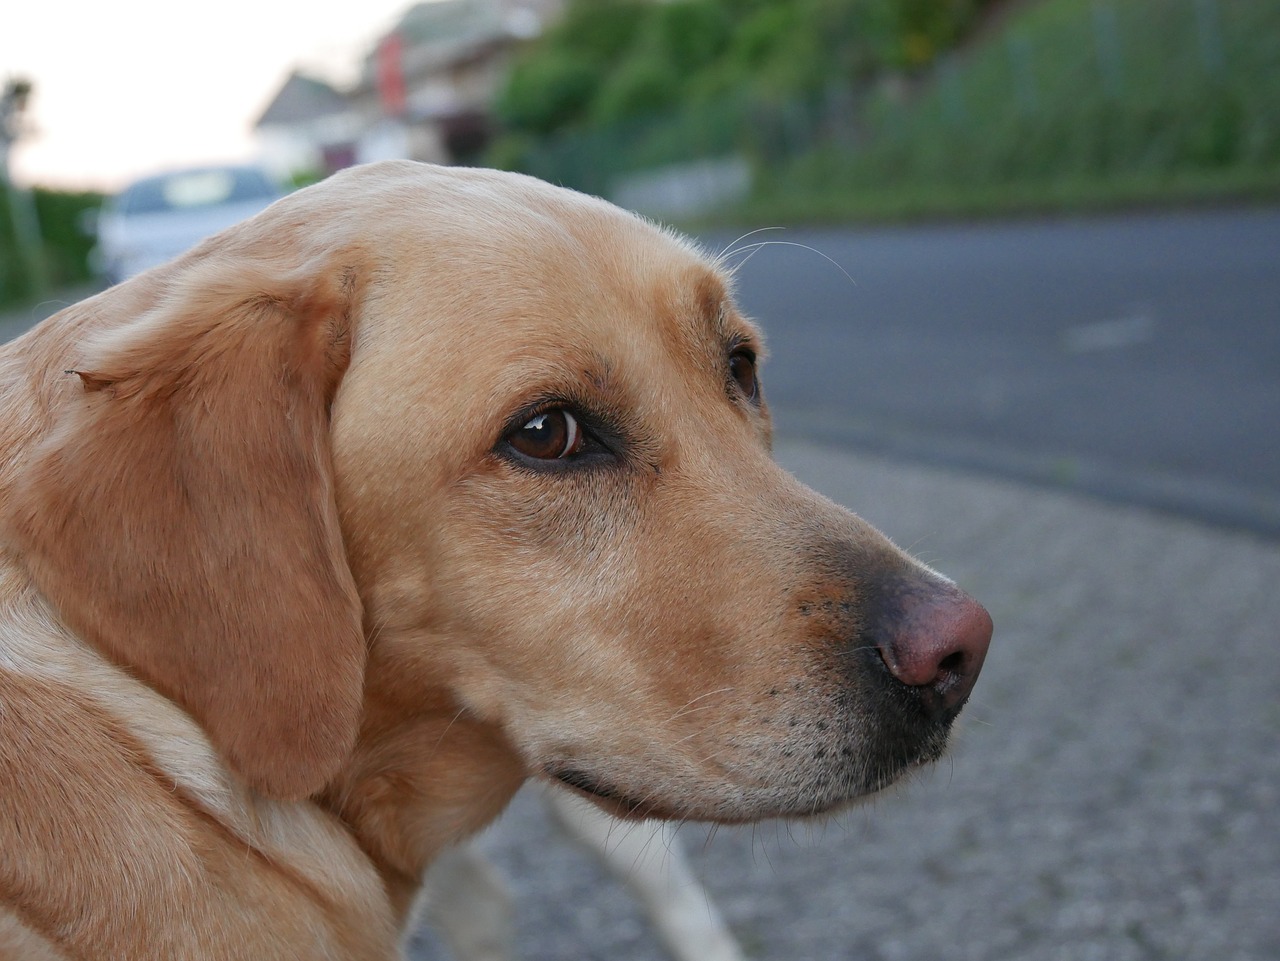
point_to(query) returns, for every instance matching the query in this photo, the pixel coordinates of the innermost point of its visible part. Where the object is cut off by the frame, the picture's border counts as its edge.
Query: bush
(1036, 117)
(13, 281)
(549, 92)
(65, 248)
(861, 98)
(689, 35)
(609, 61)
(66, 245)
(643, 86)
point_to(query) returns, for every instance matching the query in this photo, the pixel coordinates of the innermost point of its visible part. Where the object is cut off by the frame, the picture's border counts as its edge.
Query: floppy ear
(181, 515)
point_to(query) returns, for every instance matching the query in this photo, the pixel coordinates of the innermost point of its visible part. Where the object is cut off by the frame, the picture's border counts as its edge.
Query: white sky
(125, 87)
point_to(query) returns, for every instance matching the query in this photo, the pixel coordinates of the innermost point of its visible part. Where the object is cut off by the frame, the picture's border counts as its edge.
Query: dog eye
(551, 435)
(742, 368)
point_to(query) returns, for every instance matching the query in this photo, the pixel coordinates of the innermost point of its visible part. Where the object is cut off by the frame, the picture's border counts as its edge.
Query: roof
(302, 98)
(451, 21)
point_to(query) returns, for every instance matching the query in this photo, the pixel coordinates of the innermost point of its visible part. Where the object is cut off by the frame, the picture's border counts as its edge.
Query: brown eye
(742, 367)
(552, 435)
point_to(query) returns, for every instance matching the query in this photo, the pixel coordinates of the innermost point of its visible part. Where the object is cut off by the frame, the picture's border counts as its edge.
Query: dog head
(497, 446)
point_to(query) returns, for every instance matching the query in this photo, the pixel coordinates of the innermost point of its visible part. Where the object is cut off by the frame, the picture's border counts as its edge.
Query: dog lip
(584, 783)
(620, 805)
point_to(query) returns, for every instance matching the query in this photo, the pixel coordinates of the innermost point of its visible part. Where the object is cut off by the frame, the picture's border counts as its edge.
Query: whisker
(686, 737)
(760, 245)
(733, 248)
(687, 707)
(447, 727)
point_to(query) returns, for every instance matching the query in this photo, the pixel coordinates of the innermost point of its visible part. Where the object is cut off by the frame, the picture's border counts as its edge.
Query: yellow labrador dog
(318, 541)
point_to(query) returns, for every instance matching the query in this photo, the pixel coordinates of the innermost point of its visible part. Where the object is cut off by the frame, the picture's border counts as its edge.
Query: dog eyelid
(551, 435)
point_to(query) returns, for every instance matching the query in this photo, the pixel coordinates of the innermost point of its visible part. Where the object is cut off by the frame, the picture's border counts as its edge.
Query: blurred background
(701, 111)
(1019, 262)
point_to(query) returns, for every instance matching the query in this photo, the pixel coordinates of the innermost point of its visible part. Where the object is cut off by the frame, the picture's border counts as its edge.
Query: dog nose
(937, 646)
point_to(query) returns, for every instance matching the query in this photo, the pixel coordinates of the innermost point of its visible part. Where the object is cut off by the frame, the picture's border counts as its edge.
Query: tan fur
(279, 620)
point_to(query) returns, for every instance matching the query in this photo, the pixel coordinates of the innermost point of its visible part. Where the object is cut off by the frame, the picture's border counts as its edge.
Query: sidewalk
(1113, 793)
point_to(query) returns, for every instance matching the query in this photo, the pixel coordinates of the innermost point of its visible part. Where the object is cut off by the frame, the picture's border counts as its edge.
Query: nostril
(953, 663)
(936, 643)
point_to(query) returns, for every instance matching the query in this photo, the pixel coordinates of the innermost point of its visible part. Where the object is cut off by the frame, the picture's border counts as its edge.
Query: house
(425, 90)
(308, 128)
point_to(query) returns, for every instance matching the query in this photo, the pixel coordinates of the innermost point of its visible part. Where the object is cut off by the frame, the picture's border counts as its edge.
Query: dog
(319, 541)
(465, 901)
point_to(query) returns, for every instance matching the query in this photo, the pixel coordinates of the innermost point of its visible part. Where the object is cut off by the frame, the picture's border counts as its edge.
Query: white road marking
(1138, 328)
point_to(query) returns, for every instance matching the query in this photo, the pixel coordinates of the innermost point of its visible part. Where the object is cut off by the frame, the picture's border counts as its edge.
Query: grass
(1069, 104)
(914, 200)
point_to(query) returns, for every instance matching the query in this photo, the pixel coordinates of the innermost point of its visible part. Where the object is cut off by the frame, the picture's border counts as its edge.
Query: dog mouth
(820, 797)
(865, 738)
(613, 800)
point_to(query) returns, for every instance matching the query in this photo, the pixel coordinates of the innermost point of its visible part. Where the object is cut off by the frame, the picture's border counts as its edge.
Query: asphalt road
(1136, 357)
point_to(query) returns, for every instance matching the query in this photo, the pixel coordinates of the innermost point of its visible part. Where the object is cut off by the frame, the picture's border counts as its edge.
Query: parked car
(157, 218)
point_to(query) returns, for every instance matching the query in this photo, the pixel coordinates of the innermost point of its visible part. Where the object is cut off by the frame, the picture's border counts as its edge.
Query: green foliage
(612, 61)
(761, 36)
(850, 105)
(66, 245)
(65, 248)
(1065, 107)
(673, 43)
(13, 281)
(305, 178)
(602, 30)
(640, 87)
(688, 35)
(552, 87)
(548, 93)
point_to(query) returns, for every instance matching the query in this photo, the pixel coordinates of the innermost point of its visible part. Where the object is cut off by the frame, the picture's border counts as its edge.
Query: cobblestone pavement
(1113, 793)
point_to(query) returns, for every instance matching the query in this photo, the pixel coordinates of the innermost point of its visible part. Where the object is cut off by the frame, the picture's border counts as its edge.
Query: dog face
(597, 553)
(421, 440)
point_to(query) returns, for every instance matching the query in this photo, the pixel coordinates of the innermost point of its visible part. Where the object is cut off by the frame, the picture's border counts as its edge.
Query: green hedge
(64, 250)
(898, 106)
(614, 61)
(1073, 99)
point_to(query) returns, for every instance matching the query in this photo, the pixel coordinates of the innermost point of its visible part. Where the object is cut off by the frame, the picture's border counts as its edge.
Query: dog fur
(286, 610)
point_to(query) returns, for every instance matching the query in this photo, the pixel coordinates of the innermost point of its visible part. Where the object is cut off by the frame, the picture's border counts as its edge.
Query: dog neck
(422, 777)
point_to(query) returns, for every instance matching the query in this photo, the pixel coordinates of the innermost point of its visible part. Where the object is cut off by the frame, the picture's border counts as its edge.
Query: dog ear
(181, 515)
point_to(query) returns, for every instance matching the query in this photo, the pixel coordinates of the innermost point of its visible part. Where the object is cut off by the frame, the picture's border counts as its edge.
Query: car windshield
(196, 188)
